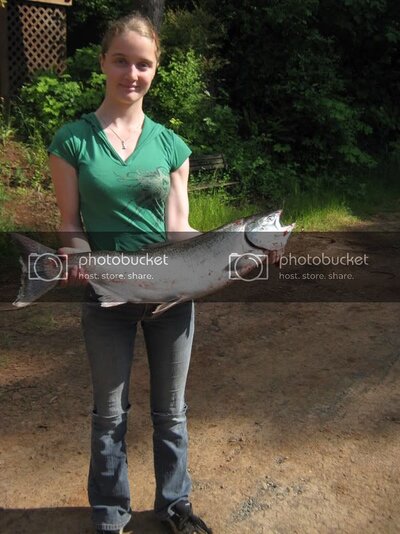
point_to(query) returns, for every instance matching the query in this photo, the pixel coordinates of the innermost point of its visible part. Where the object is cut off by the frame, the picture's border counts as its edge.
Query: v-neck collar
(142, 137)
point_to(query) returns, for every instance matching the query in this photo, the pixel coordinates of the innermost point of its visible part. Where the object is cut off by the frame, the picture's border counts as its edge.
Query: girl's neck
(120, 114)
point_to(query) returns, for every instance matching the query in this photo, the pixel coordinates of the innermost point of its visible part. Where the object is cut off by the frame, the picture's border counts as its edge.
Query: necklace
(123, 146)
(123, 141)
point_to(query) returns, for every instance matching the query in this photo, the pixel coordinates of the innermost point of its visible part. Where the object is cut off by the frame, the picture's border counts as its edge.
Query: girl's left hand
(274, 256)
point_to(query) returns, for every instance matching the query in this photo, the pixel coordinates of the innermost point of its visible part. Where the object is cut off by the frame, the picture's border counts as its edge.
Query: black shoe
(183, 520)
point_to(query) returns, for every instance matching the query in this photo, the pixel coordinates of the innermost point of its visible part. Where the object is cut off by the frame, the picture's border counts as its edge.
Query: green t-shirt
(122, 203)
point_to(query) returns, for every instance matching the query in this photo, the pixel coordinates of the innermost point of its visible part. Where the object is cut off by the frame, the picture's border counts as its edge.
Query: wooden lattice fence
(33, 36)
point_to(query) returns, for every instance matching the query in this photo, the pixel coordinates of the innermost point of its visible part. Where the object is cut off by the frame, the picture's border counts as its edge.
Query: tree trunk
(153, 9)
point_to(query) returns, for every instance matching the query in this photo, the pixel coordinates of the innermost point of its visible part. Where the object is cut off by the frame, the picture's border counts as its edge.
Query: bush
(47, 102)
(51, 100)
(284, 89)
(198, 30)
(84, 62)
(180, 99)
(88, 19)
(315, 78)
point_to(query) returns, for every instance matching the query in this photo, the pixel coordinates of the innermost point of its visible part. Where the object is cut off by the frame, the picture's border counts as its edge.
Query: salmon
(167, 273)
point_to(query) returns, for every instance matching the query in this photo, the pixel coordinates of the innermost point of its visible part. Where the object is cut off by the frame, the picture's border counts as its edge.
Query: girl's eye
(120, 61)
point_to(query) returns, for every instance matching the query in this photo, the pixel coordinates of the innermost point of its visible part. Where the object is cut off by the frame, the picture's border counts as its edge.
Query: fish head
(267, 233)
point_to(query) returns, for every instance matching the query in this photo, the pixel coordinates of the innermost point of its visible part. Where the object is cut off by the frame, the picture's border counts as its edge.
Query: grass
(211, 210)
(311, 212)
(333, 208)
(35, 322)
(321, 209)
(324, 209)
(5, 218)
(330, 209)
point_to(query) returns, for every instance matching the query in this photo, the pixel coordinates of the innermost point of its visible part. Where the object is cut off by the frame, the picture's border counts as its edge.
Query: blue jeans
(109, 335)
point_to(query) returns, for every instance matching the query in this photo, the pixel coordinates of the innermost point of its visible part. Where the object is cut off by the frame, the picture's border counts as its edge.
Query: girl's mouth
(130, 87)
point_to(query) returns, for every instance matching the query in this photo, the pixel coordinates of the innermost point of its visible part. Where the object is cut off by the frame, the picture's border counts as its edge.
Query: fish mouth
(268, 228)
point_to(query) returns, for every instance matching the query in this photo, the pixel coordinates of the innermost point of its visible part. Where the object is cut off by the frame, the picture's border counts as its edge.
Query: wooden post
(65, 3)
(4, 78)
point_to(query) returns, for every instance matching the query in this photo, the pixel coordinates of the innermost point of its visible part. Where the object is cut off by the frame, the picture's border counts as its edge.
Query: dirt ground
(294, 420)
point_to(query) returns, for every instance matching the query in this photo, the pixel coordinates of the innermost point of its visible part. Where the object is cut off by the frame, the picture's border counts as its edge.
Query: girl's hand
(274, 256)
(75, 275)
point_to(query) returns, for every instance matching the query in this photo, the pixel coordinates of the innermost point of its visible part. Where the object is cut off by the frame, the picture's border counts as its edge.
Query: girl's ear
(101, 61)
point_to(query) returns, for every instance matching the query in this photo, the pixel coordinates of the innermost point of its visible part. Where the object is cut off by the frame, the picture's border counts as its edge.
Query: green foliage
(180, 99)
(211, 210)
(5, 219)
(179, 89)
(104, 10)
(47, 102)
(51, 100)
(37, 163)
(84, 62)
(297, 95)
(92, 94)
(367, 36)
(7, 130)
(259, 174)
(197, 30)
(88, 19)
(314, 84)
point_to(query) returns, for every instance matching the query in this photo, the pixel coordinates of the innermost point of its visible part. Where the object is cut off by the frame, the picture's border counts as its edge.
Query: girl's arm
(177, 207)
(65, 181)
(72, 236)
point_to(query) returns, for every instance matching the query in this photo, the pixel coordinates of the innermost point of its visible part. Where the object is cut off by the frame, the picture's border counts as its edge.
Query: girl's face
(129, 65)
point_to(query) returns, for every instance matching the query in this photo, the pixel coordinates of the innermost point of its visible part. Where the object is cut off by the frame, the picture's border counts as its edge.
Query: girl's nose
(133, 72)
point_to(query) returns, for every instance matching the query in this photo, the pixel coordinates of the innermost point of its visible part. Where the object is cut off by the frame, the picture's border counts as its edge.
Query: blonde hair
(135, 22)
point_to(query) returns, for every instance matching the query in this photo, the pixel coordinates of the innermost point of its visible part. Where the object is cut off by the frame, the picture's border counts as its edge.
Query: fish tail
(41, 267)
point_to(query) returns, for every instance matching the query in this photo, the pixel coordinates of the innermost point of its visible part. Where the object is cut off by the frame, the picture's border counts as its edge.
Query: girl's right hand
(75, 275)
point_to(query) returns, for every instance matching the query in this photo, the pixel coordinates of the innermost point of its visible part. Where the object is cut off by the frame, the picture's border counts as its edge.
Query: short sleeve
(180, 152)
(63, 145)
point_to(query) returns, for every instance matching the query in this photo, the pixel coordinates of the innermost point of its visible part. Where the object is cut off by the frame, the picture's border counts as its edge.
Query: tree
(153, 9)
(88, 19)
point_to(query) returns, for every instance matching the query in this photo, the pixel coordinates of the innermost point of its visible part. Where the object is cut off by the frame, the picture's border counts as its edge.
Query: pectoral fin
(107, 298)
(111, 304)
(161, 308)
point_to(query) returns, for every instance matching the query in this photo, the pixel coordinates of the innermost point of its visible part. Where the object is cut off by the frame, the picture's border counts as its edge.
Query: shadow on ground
(73, 520)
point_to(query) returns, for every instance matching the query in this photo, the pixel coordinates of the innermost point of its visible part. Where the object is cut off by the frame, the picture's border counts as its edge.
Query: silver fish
(167, 273)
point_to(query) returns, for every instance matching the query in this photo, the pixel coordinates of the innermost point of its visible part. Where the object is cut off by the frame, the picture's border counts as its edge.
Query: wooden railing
(209, 162)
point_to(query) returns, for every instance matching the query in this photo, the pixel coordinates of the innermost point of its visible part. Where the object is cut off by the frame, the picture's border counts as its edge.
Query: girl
(121, 183)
